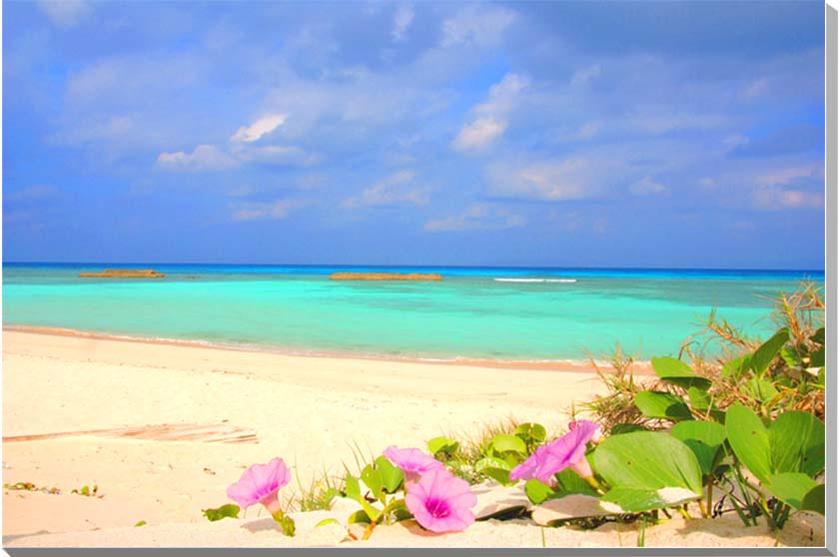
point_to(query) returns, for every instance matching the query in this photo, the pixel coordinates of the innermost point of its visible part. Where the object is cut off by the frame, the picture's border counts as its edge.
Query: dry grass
(618, 407)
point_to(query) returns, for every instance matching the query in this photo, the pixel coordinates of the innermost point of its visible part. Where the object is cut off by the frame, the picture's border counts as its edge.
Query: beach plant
(408, 483)
(490, 455)
(228, 510)
(375, 490)
(29, 486)
(260, 484)
(786, 458)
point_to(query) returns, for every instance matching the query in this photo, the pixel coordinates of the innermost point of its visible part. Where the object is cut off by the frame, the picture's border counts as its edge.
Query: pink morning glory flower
(568, 451)
(440, 502)
(413, 462)
(260, 484)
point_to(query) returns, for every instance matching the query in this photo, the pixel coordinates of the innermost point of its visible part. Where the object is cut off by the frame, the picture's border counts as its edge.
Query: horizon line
(555, 267)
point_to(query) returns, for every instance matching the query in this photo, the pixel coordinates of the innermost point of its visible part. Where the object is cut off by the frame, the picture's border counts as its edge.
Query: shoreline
(639, 366)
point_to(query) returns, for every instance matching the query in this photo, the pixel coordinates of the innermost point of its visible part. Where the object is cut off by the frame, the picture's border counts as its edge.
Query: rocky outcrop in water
(427, 277)
(124, 273)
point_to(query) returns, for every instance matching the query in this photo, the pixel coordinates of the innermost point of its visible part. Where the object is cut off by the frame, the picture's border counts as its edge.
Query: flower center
(438, 508)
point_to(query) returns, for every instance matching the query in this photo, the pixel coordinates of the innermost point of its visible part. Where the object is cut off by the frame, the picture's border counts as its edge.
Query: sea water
(495, 313)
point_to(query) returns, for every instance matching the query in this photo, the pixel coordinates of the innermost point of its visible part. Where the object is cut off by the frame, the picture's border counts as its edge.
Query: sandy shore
(310, 411)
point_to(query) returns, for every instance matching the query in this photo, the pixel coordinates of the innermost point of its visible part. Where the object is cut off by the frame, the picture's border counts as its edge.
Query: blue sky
(557, 134)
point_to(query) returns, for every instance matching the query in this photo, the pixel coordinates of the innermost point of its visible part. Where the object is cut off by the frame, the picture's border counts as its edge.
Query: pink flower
(568, 451)
(413, 462)
(260, 484)
(440, 502)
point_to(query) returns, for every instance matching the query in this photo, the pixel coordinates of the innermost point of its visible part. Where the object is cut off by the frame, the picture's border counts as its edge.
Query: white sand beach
(310, 411)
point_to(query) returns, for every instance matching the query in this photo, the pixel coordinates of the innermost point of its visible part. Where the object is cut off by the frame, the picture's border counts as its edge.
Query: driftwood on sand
(212, 433)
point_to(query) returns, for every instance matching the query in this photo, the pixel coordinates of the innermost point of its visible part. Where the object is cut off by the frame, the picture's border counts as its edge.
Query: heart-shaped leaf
(509, 443)
(814, 500)
(443, 445)
(764, 355)
(797, 443)
(656, 404)
(749, 440)
(678, 372)
(648, 461)
(390, 475)
(704, 439)
(791, 487)
(625, 500)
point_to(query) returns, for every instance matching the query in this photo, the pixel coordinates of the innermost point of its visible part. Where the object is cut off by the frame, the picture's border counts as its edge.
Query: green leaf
(372, 479)
(764, 354)
(390, 475)
(358, 517)
(225, 511)
(351, 487)
(790, 487)
(797, 443)
(509, 443)
(790, 356)
(814, 500)
(531, 432)
(655, 404)
(537, 491)
(704, 439)
(700, 399)
(735, 368)
(625, 428)
(327, 521)
(749, 440)
(139, 523)
(491, 462)
(501, 475)
(443, 445)
(372, 512)
(647, 460)
(678, 372)
(819, 336)
(624, 500)
(761, 389)
(817, 358)
(569, 483)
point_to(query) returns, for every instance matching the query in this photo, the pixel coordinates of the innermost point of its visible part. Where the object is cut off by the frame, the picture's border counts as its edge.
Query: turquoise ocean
(484, 313)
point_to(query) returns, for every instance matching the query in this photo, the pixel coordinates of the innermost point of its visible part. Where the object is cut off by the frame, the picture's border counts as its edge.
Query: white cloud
(478, 134)
(503, 95)
(757, 88)
(398, 188)
(551, 180)
(491, 116)
(275, 210)
(782, 188)
(263, 126)
(788, 175)
(586, 75)
(647, 186)
(402, 20)
(477, 25)
(774, 198)
(478, 216)
(64, 13)
(203, 157)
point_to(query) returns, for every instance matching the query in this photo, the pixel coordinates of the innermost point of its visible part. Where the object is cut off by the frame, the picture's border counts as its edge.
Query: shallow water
(576, 312)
